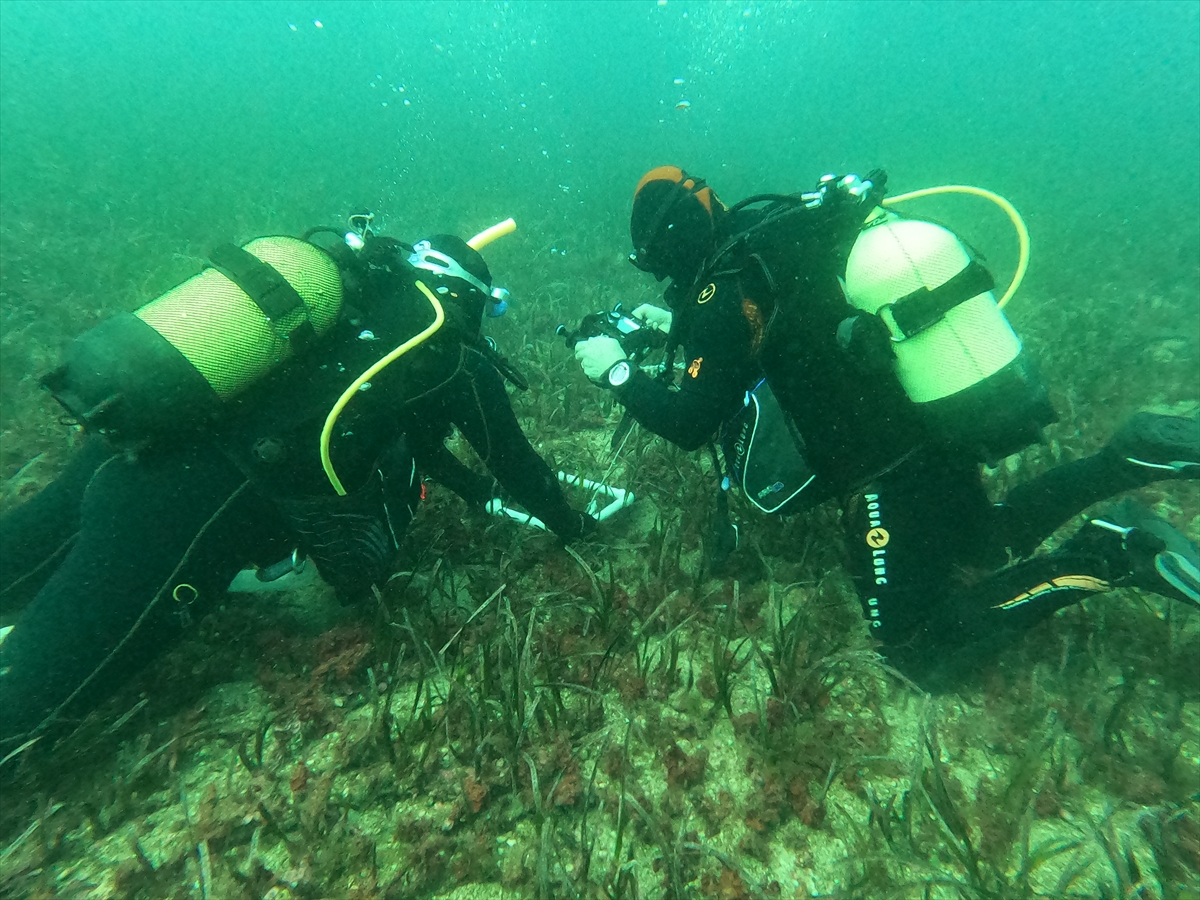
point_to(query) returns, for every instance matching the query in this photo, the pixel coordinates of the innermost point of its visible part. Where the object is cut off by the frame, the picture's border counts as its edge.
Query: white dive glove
(597, 355)
(654, 316)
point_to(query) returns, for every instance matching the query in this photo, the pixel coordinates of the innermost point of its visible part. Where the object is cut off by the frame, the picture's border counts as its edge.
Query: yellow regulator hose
(1010, 211)
(439, 316)
(482, 239)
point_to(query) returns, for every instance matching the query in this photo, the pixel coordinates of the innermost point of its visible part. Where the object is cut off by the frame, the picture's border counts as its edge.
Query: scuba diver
(225, 428)
(845, 351)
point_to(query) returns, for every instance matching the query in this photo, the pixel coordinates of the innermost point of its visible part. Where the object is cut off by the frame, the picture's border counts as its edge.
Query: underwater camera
(635, 338)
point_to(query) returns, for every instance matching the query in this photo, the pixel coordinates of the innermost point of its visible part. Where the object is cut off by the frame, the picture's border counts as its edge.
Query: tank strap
(915, 312)
(270, 291)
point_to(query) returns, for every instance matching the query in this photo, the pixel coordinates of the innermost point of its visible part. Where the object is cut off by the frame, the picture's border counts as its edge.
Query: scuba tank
(957, 356)
(957, 359)
(169, 365)
(172, 365)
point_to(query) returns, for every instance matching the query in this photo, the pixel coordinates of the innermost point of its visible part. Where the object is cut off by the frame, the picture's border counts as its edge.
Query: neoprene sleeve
(476, 401)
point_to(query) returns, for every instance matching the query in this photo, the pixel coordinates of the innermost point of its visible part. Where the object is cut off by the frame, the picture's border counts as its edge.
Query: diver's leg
(964, 629)
(909, 534)
(1148, 448)
(1129, 547)
(38, 533)
(159, 539)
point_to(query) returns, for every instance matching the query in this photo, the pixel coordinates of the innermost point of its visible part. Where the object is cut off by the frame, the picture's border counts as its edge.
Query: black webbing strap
(267, 288)
(915, 312)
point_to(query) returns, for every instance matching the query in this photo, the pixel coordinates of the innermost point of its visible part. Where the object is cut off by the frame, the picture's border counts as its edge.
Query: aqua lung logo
(771, 489)
(739, 446)
(877, 539)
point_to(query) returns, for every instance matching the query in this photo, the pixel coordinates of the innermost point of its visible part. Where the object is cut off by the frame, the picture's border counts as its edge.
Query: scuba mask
(425, 257)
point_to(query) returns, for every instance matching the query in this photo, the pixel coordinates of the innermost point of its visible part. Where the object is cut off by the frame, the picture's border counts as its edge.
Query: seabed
(513, 720)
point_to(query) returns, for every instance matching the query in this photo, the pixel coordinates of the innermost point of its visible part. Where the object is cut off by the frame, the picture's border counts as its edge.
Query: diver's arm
(719, 368)
(436, 461)
(485, 417)
(687, 419)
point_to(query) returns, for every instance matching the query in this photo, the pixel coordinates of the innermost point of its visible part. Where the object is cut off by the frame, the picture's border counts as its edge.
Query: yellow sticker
(707, 293)
(878, 537)
(1061, 583)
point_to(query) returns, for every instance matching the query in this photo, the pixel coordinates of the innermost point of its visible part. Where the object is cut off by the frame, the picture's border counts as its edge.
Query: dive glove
(654, 316)
(597, 355)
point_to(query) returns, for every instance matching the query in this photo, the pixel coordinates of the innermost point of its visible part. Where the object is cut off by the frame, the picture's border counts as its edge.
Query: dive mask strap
(425, 257)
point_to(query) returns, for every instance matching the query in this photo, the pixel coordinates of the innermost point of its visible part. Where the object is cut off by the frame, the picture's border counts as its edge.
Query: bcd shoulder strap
(789, 239)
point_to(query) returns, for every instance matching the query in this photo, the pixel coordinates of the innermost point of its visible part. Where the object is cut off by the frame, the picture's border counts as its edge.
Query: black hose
(318, 229)
(763, 198)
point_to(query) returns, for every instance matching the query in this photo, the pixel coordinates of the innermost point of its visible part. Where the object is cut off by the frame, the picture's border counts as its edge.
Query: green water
(134, 137)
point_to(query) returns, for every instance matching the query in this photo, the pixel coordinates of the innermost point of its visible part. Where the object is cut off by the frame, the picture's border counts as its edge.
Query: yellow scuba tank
(171, 363)
(957, 357)
(226, 334)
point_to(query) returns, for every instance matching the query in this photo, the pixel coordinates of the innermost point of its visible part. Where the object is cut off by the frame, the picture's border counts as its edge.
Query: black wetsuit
(118, 556)
(917, 579)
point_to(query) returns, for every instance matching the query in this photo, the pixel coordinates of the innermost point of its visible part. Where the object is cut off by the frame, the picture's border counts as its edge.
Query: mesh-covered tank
(171, 363)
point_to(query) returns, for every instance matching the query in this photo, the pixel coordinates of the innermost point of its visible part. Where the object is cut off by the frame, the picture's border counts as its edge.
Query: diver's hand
(654, 316)
(597, 355)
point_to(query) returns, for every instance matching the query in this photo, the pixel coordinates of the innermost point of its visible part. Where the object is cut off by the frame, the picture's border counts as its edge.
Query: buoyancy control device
(171, 363)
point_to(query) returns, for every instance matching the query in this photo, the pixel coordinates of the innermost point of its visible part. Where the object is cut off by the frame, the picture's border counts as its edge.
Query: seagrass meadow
(512, 718)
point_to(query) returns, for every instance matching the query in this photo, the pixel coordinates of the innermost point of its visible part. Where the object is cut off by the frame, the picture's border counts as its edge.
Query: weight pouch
(765, 455)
